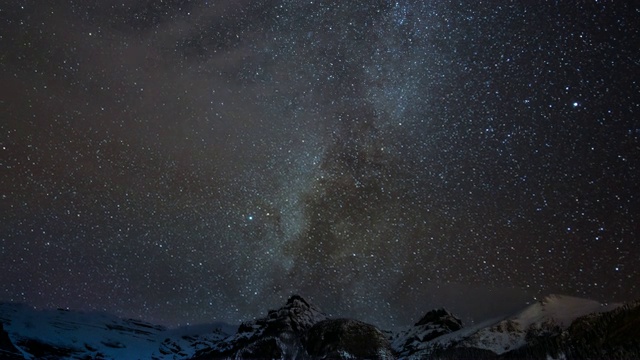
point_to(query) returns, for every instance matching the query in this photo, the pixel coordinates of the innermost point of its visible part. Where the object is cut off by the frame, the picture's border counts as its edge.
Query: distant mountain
(557, 327)
(545, 329)
(63, 334)
(550, 316)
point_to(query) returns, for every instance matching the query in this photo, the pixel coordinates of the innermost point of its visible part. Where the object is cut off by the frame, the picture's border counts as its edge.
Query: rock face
(297, 316)
(416, 339)
(441, 318)
(347, 339)
(299, 330)
(279, 335)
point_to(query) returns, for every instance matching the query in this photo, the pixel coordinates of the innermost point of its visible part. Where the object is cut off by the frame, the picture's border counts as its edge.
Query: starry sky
(190, 161)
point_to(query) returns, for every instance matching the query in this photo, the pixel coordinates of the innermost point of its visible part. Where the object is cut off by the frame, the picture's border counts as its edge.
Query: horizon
(504, 313)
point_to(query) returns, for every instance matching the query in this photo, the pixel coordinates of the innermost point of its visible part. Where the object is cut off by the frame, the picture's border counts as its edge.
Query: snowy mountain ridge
(68, 334)
(551, 315)
(556, 326)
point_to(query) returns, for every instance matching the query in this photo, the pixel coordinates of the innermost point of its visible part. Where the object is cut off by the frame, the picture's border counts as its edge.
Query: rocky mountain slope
(541, 330)
(558, 327)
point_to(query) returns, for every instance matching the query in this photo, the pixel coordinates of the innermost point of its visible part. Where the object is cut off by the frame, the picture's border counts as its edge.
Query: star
(191, 161)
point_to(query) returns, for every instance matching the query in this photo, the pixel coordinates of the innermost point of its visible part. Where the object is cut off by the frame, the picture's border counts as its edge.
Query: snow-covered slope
(416, 338)
(62, 334)
(69, 334)
(440, 332)
(551, 315)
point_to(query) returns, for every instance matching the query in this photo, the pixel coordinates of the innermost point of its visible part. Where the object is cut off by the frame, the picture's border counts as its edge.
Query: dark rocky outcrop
(299, 330)
(297, 316)
(347, 339)
(615, 333)
(278, 335)
(442, 318)
(7, 350)
(44, 351)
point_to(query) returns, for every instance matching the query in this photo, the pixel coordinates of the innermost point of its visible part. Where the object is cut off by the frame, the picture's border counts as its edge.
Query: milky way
(191, 161)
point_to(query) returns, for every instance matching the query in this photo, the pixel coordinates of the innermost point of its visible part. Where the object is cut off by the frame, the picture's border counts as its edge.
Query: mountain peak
(441, 317)
(555, 298)
(561, 309)
(272, 336)
(432, 325)
(548, 317)
(296, 315)
(297, 298)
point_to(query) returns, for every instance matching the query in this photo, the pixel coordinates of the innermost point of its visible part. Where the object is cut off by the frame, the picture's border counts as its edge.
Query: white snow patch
(553, 313)
(92, 334)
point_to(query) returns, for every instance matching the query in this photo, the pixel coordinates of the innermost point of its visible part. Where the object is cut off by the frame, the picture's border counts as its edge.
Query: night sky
(192, 161)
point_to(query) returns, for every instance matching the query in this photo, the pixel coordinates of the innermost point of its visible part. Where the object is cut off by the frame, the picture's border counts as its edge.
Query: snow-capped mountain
(555, 327)
(543, 330)
(549, 316)
(417, 338)
(278, 335)
(63, 334)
